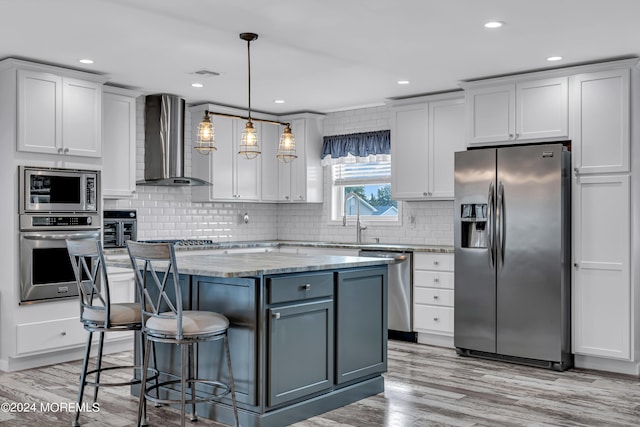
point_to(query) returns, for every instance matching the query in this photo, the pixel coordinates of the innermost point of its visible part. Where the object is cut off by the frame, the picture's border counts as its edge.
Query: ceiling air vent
(207, 73)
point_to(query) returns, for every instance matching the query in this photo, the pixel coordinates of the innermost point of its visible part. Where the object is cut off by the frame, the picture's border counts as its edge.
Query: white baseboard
(608, 365)
(437, 340)
(61, 356)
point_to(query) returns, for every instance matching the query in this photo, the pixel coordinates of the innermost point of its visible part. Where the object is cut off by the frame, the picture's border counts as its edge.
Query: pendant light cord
(249, 74)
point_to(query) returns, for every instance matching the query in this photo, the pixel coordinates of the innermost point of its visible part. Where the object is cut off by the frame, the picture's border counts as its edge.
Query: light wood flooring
(425, 386)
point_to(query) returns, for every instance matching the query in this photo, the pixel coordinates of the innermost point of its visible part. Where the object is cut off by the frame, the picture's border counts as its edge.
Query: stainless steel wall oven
(55, 205)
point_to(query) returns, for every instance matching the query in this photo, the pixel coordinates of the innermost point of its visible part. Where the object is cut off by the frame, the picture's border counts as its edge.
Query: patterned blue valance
(357, 147)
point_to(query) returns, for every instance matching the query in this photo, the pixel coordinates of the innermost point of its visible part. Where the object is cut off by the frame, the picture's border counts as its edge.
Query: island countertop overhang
(257, 264)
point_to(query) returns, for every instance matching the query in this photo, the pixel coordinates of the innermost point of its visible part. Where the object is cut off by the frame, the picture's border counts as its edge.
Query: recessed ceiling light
(493, 24)
(279, 101)
(554, 58)
(403, 82)
(86, 61)
(197, 85)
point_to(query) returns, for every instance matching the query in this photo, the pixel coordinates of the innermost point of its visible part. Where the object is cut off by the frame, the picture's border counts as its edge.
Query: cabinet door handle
(63, 333)
(59, 150)
(306, 286)
(435, 319)
(436, 262)
(276, 315)
(301, 197)
(436, 280)
(575, 264)
(286, 197)
(66, 150)
(510, 136)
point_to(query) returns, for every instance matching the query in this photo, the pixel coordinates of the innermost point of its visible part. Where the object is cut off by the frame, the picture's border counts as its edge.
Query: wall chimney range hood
(164, 142)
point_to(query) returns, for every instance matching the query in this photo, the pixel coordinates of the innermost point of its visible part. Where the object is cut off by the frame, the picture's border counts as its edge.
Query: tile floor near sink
(424, 386)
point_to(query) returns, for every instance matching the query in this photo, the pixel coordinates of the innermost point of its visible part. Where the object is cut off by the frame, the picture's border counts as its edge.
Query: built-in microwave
(58, 190)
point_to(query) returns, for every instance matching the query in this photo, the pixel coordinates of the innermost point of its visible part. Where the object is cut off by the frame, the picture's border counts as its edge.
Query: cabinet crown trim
(548, 73)
(457, 94)
(10, 63)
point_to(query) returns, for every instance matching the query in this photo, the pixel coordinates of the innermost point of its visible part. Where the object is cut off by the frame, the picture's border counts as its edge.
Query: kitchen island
(308, 333)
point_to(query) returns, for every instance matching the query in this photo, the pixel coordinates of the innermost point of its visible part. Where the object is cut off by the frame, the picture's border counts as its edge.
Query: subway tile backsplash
(168, 213)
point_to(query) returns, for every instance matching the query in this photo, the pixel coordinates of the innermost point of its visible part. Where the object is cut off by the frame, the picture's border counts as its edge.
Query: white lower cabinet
(121, 289)
(602, 291)
(49, 335)
(62, 333)
(433, 298)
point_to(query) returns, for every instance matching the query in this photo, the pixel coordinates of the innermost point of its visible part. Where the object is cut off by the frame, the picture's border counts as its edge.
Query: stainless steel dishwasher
(400, 299)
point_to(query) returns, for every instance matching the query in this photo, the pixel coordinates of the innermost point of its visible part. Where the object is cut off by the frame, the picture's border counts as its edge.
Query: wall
(168, 213)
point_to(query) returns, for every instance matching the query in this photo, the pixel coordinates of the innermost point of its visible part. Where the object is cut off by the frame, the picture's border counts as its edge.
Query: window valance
(361, 147)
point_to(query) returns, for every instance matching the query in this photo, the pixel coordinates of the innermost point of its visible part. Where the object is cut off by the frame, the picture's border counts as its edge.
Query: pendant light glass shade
(287, 146)
(205, 137)
(249, 146)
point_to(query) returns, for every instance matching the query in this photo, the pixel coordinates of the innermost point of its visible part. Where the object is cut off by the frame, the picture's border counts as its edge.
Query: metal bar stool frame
(156, 271)
(97, 315)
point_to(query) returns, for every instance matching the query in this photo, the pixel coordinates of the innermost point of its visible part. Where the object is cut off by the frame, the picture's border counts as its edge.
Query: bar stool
(98, 314)
(165, 321)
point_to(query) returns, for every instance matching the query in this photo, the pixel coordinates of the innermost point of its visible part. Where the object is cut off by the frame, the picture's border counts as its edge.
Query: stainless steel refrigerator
(512, 254)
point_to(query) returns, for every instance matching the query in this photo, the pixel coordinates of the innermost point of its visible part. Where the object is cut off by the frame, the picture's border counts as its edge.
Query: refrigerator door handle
(500, 231)
(490, 225)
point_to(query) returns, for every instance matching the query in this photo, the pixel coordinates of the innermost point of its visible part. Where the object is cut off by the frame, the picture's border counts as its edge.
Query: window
(363, 186)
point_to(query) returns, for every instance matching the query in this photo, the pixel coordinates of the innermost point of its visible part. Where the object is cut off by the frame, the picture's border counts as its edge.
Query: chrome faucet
(359, 226)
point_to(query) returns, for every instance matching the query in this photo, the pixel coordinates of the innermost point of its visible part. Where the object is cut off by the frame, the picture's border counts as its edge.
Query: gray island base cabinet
(302, 343)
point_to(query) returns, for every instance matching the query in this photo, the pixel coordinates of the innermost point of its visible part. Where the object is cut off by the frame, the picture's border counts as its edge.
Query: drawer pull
(306, 286)
(63, 333)
(435, 319)
(436, 280)
(436, 262)
(276, 315)
(435, 297)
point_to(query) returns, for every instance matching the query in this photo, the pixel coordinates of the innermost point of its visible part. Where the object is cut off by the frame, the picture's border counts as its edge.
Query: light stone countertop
(398, 247)
(256, 264)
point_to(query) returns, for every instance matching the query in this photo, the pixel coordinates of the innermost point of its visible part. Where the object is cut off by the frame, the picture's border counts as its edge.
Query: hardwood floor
(425, 386)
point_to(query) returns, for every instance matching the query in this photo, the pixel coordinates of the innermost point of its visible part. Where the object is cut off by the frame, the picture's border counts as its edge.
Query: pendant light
(249, 143)
(205, 137)
(287, 146)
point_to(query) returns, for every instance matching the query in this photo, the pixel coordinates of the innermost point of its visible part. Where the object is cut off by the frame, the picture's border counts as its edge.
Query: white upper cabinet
(264, 178)
(424, 138)
(446, 136)
(59, 114)
(601, 121)
(248, 172)
(234, 177)
(491, 113)
(410, 152)
(515, 112)
(301, 180)
(118, 142)
(270, 138)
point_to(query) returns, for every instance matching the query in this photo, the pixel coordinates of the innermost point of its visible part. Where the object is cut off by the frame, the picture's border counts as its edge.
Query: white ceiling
(317, 55)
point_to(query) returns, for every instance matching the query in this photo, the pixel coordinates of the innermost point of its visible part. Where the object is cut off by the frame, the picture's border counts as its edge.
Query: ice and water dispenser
(474, 225)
